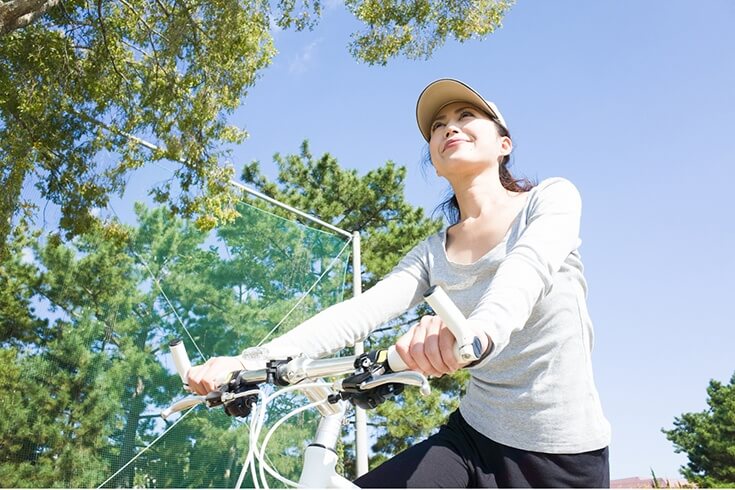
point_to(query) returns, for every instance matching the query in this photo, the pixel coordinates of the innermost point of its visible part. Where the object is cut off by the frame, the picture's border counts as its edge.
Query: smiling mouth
(451, 143)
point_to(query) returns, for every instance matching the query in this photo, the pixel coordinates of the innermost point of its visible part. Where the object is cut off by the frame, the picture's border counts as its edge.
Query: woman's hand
(428, 347)
(207, 377)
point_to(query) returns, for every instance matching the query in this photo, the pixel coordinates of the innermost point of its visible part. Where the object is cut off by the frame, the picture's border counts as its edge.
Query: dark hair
(450, 206)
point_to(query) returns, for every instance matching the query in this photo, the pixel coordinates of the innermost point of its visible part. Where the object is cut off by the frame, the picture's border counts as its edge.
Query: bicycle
(372, 378)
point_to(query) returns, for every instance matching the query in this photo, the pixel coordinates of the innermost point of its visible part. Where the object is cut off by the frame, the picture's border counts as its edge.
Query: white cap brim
(445, 91)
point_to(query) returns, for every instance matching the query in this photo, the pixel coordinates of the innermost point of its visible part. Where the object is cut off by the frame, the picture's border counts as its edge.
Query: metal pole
(292, 209)
(151, 146)
(361, 446)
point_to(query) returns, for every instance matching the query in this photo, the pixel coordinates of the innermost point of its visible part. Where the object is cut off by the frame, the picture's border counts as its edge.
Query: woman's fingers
(199, 378)
(428, 347)
(446, 346)
(403, 345)
(417, 349)
(205, 378)
(432, 345)
(410, 347)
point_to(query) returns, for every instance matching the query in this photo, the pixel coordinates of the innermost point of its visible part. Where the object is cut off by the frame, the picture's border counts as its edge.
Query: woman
(531, 415)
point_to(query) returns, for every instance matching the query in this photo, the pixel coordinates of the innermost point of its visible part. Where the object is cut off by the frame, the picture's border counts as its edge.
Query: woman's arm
(335, 327)
(525, 275)
(350, 321)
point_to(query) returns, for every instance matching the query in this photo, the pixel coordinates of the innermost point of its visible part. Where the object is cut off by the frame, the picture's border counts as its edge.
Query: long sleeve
(525, 275)
(352, 320)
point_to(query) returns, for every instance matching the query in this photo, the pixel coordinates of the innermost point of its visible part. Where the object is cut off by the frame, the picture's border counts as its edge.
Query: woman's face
(464, 140)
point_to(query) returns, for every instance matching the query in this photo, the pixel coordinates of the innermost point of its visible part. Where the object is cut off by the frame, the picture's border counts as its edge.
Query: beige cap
(445, 91)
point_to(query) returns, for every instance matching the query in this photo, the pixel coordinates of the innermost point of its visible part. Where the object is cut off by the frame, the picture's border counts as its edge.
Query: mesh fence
(85, 371)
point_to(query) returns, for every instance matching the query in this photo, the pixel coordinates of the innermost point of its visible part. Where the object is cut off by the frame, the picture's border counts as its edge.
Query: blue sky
(632, 101)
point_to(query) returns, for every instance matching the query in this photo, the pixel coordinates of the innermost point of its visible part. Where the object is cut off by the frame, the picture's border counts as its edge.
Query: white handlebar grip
(469, 345)
(181, 359)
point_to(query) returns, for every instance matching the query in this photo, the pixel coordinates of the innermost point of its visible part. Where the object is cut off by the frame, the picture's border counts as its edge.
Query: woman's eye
(436, 125)
(466, 113)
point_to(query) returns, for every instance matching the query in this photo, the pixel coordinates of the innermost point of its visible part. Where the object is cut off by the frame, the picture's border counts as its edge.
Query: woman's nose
(450, 129)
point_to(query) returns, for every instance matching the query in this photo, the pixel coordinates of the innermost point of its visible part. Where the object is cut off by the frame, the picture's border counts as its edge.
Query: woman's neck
(480, 195)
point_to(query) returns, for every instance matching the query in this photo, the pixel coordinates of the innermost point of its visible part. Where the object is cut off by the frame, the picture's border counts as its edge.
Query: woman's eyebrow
(456, 111)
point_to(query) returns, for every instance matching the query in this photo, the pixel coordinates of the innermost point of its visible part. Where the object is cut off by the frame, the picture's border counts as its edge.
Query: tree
(708, 438)
(56, 383)
(80, 80)
(82, 379)
(373, 204)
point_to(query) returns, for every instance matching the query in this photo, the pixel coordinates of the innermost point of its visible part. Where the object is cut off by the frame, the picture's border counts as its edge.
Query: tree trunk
(127, 450)
(15, 14)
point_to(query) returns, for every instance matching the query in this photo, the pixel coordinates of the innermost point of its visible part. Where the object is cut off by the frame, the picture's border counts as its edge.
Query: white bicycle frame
(320, 457)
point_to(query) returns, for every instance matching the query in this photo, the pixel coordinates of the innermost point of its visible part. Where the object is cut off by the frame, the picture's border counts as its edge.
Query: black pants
(460, 457)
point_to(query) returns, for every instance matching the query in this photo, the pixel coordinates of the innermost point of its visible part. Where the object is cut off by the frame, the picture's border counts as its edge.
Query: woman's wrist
(254, 358)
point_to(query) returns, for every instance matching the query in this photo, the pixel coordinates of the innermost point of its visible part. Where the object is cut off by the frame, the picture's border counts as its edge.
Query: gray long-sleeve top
(535, 390)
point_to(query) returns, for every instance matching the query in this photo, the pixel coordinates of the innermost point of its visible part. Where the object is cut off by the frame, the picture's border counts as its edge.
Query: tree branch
(12, 183)
(197, 25)
(107, 44)
(136, 48)
(142, 20)
(163, 7)
(17, 14)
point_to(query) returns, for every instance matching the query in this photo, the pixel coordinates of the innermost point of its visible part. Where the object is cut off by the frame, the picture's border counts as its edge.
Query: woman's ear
(506, 145)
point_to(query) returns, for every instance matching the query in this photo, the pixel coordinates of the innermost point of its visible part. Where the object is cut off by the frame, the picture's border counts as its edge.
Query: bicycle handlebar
(295, 371)
(467, 347)
(181, 359)
(467, 350)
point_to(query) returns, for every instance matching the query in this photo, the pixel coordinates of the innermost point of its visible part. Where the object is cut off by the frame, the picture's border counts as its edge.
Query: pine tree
(708, 438)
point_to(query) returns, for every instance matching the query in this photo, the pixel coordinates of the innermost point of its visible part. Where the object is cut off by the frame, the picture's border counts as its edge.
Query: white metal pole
(361, 443)
(289, 208)
(151, 146)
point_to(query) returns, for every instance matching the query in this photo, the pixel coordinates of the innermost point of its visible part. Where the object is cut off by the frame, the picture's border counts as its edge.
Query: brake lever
(183, 404)
(412, 378)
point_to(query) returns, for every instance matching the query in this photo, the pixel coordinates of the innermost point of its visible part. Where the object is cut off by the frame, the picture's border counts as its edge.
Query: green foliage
(109, 299)
(56, 386)
(80, 84)
(82, 379)
(137, 67)
(415, 28)
(18, 280)
(374, 204)
(708, 438)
